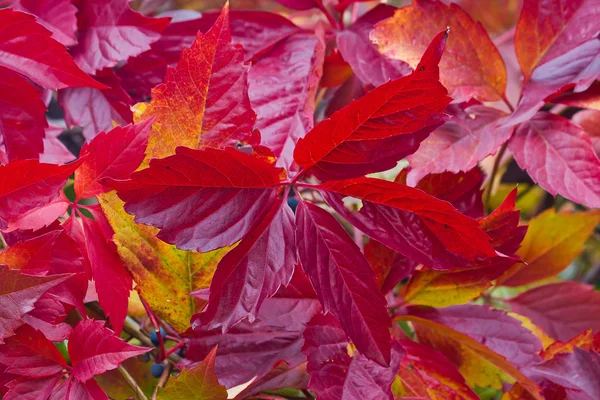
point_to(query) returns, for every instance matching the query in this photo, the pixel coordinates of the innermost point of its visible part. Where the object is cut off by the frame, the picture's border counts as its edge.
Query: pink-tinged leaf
(94, 349)
(22, 121)
(55, 151)
(94, 110)
(299, 286)
(343, 280)
(412, 223)
(18, 293)
(462, 189)
(336, 375)
(255, 269)
(589, 120)
(390, 267)
(472, 134)
(428, 373)
(26, 47)
(24, 388)
(72, 389)
(252, 349)
(495, 329)
(279, 377)
(557, 46)
(257, 31)
(41, 217)
(589, 98)
(48, 315)
(357, 49)
(113, 281)
(282, 88)
(58, 16)
(385, 125)
(578, 372)
(201, 199)
(28, 353)
(562, 310)
(110, 31)
(558, 156)
(27, 185)
(113, 155)
(299, 4)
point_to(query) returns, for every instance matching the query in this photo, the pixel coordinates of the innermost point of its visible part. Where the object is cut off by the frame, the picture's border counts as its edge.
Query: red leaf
(461, 189)
(357, 49)
(113, 155)
(94, 349)
(113, 27)
(412, 223)
(22, 121)
(385, 125)
(18, 293)
(252, 349)
(343, 280)
(95, 110)
(589, 120)
(255, 269)
(49, 313)
(299, 4)
(562, 309)
(28, 185)
(279, 377)
(31, 389)
(471, 135)
(201, 199)
(334, 374)
(282, 88)
(55, 151)
(113, 281)
(557, 47)
(27, 48)
(28, 353)
(390, 267)
(58, 16)
(559, 156)
(71, 389)
(495, 329)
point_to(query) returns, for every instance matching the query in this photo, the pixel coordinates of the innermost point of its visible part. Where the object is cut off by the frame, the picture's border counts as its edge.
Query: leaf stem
(162, 381)
(156, 327)
(330, 18)
(510, 107)
(495, 169)
(136, 388)
(308, 185)
(173, 349)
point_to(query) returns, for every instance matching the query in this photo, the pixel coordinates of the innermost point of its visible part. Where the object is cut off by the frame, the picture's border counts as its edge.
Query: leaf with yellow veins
(164, 275)
(204, 101)
(553, 240)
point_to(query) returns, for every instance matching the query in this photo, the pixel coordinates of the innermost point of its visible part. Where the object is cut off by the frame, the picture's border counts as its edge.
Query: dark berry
(156, 370)
(154, 338)
(293, 203)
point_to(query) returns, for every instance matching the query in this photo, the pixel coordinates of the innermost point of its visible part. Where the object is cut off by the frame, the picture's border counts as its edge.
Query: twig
(136, 388)
(495, 169)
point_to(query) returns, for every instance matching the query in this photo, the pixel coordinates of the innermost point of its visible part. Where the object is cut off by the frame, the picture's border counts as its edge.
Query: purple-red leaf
(55, 152)
(113, 155)
(94, 110)
(282, 88)
(201, 199)
(412, 222)
(385, 125)
(94, 349)
(58, 16)
(559, 156)
(562, 309)
(26, 47)
(110, 31)
(357, 49)
(343, 280)
(26, 186)
(255, 269)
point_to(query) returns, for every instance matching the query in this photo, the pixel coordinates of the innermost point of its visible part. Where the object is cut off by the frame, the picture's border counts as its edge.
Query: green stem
(136, 388)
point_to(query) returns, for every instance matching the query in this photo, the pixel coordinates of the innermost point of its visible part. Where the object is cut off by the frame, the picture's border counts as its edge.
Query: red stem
(308, 185)
(156, 327)
(330, 17)
(175, 348)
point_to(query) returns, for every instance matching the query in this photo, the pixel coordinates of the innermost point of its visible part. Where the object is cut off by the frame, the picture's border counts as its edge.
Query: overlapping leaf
(472, 65)
(385, 125)
(390, 267)
(58, 16)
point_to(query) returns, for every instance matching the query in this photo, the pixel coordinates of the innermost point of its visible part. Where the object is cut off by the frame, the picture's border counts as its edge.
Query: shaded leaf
(280, 377)
(58, 16)
(390, 267)
(343, 280)
(472, 65)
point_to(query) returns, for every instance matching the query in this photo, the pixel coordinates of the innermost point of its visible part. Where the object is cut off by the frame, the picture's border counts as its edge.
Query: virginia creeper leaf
(589, 120)
(343, 280)
(574, 170)
(279, 377)
(585, 340)
(198, 382)
(26, 47)
(110, 31)
(58, 16)
(562, 309)
(411, 222)
(55, 152)
(390, 267)
(471, 66)
(201, 199)
(203, 102)
(163, 274)
(385, 125)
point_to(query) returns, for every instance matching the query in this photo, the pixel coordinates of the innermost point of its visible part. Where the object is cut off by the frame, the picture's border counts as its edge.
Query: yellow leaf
(553, 240)
(536, 330)
(164, 275)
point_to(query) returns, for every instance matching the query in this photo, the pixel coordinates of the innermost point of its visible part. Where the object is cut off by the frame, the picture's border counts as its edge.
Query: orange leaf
(586, 340)
(471, 66)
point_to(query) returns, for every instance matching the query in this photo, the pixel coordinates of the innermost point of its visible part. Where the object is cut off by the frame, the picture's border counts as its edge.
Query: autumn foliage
(299, 199)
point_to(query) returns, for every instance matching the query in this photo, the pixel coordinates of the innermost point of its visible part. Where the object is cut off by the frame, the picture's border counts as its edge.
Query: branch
(136, 388)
